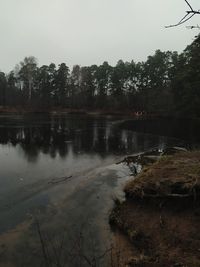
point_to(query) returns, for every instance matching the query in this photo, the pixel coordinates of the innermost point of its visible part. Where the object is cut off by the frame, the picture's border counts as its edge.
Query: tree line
(166, 83)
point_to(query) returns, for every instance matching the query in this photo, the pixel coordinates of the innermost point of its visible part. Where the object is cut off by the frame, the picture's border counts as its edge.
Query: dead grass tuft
(172, 177)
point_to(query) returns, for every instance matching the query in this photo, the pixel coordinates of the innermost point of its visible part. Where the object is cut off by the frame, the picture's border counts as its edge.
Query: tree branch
(189, 14)
(189, 5)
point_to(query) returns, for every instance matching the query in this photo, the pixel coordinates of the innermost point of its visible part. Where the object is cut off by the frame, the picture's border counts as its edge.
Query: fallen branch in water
(59, 180)
(128, 160)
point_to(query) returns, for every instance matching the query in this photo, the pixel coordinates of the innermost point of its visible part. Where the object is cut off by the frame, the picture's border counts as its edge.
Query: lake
(58, 179)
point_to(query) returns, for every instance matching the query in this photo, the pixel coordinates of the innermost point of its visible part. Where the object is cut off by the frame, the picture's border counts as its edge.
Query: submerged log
(59, 180)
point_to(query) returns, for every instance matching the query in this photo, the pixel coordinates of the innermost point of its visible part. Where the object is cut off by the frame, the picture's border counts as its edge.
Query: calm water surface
(36, 151)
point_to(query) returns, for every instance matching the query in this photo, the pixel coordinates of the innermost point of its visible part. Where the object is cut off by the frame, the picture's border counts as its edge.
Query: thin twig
(189, 5)
(45, 254)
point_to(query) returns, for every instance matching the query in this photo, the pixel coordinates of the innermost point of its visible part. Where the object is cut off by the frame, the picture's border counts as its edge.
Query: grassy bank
(161, 214)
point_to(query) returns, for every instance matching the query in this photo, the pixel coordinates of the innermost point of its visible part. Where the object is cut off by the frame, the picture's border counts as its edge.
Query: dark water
(36, 150)
(185, 129)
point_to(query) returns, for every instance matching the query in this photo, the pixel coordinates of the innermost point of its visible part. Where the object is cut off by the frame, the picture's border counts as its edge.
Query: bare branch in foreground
(189, 14)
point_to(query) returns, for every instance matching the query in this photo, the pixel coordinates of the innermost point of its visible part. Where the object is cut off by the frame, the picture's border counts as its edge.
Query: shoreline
(84, 111)
(161, 213)
(131, 115)
(29, 110)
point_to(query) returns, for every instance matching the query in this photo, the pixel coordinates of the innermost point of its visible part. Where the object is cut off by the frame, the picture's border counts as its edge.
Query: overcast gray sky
(89, 32)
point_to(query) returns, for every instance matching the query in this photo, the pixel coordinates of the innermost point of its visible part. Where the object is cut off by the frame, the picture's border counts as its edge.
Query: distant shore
(90, 111)
(60, 110)
(24, 110)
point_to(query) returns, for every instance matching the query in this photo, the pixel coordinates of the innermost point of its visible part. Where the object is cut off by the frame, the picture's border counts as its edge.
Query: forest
(166, 84)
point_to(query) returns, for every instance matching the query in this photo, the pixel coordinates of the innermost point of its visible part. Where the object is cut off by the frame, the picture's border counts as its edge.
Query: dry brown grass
(171, 176)
(158, 218)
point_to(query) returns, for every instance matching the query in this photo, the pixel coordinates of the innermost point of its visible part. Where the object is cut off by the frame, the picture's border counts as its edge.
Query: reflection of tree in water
(55, 136)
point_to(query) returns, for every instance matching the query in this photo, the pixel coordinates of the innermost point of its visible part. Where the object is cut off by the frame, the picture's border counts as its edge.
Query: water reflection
(55, 135)
(36, 149)
(185, 129)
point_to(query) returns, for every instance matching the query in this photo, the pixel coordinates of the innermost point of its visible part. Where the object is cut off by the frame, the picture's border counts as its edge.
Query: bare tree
(27, 71)
(189, 14)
